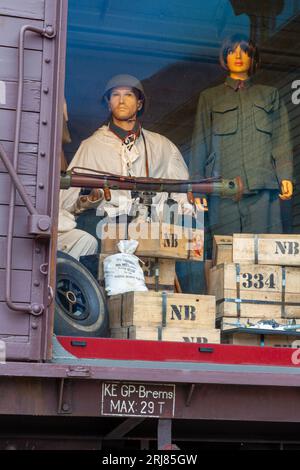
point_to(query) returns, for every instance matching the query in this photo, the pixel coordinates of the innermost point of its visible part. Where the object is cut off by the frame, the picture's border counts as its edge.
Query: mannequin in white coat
(122, 147)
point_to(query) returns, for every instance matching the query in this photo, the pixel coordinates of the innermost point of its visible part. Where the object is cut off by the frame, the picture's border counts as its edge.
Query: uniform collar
(238, 84)
(122, 134)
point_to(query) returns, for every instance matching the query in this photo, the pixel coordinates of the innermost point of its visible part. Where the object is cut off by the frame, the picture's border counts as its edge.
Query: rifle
(89, 178)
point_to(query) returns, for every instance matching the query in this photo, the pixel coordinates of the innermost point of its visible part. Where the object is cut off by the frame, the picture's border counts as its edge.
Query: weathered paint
(9, 33)
(32, 96)
(9, 67)
(27, 336)
(30, 126)
(21, 248)
(23, 9)
(27, 164)
(29, 182)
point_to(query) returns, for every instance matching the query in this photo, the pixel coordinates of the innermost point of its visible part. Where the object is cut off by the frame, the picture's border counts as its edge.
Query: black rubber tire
(80, 307)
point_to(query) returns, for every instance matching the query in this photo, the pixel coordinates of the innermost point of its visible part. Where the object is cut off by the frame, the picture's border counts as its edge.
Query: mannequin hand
(286, 188)
(95, 195)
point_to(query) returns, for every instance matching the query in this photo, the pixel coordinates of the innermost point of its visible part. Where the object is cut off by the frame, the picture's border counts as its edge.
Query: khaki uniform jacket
(242, 132)
(104, 151)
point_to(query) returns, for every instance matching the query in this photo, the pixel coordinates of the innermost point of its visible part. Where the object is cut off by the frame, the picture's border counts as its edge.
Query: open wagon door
(32, 56)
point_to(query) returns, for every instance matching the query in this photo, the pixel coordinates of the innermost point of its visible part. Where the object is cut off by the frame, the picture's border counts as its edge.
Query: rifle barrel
(232, 188)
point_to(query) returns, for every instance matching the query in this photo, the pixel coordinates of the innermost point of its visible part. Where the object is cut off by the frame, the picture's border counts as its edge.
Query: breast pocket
(225, 119)
(263, 117)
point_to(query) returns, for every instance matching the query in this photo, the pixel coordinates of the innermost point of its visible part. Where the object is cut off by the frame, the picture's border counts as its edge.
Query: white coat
(104, 151)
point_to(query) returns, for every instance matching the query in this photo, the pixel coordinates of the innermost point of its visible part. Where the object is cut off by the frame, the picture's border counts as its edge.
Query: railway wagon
(89, 392)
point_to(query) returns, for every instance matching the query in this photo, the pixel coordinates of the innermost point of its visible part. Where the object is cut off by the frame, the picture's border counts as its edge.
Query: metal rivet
(43, 154)
(36, 283)
(47, 61)
(36, 309)
(46, 91)
(37, 250)
(34, 326)
(41, 186)
(44, 122)
(49, 30)
(44, 223)
(65, 407)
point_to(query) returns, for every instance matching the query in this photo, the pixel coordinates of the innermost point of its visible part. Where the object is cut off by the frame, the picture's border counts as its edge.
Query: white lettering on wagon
(136, 399)
(2, 92)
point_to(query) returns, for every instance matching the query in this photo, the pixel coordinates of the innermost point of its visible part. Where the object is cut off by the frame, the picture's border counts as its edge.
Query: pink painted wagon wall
(29, 337)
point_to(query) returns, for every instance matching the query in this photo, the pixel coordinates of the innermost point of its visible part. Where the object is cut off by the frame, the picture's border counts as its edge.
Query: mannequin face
(124, 105)
(238, 63)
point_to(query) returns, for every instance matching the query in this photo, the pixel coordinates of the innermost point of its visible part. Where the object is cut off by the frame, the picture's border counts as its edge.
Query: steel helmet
(128, 81)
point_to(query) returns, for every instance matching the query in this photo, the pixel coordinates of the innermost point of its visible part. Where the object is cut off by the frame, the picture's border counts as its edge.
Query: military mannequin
(123, 147)
(242, 129)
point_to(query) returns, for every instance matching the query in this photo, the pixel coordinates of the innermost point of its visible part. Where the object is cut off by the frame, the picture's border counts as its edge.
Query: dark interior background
(172, 46)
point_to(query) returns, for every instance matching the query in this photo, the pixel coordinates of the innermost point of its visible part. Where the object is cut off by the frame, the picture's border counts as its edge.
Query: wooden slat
(9, 64)
(31, 97)
(222, 249)
(29, 183)
(23, 8)
(22, 279)
(21, 248)
(21, 221)
(13, 323)
(10, 32)
(29, 126)
(198, 335)
(27, 162)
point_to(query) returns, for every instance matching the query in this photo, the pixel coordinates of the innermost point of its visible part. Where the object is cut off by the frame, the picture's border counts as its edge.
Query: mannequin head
(124, 105)
(125, 98)
(239, 56)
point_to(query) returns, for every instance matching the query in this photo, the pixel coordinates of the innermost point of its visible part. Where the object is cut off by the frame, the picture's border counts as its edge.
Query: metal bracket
(164, 434)
(78, 371)
(64, 397)
(190, 394)
(39, 225)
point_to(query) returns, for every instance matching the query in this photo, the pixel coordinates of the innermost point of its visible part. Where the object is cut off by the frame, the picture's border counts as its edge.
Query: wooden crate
(197, 335)
(147, 309)
(283, 250)
(157, 240)
(278, 341)
(159, 273)
(222, 249)
(254, 291)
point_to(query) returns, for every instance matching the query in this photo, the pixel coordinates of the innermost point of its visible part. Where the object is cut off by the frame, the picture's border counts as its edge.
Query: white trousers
(77, 243)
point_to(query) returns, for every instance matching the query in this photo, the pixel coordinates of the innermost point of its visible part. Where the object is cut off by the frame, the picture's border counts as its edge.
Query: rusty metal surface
(42, 397)
(164, 372)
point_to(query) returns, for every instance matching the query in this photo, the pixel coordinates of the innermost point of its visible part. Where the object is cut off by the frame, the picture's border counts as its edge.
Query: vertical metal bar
(145, 444)
(283, 287)
(238, 290)
(164, 433)
(34, 309)
(50, 142)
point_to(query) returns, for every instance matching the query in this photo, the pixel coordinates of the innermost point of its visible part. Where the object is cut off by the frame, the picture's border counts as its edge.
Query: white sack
(122, 272)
